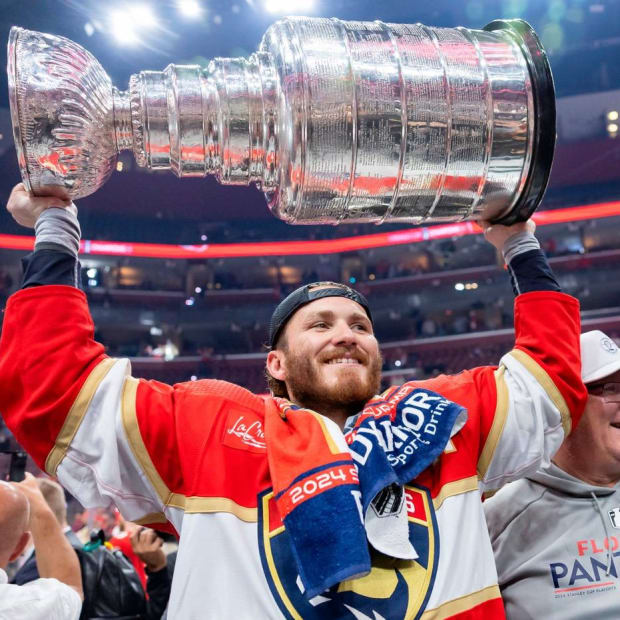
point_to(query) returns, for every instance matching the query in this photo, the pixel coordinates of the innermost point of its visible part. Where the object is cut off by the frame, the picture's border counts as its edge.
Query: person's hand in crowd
(498, 234)
(147, 545)
(26, 207)
(30, 488)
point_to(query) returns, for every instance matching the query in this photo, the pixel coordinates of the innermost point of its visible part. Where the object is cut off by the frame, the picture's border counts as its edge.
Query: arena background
(184, 307)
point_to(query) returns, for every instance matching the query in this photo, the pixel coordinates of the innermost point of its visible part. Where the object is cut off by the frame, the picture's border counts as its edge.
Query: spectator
(55, 498)
(58, 592)
(555, 534)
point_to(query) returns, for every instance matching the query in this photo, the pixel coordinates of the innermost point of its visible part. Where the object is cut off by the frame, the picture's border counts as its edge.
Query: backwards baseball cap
(600, 356)
(304, 295)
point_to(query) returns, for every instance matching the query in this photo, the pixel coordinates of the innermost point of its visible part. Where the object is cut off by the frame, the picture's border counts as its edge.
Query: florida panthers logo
(394, 589)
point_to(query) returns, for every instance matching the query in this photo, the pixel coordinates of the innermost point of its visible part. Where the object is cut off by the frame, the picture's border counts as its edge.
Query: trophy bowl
(61, 104)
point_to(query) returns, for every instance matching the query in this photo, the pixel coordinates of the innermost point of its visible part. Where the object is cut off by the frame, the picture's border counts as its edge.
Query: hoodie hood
(557, 479)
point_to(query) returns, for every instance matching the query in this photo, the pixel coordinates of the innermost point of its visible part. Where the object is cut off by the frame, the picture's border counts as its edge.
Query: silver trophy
(336, 121)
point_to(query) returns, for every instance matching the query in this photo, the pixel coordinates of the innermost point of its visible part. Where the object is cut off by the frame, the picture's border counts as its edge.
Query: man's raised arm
(68, 404)
(521, 410)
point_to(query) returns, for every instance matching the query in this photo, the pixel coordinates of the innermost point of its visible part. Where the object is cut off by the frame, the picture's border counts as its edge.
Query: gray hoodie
(556, 541)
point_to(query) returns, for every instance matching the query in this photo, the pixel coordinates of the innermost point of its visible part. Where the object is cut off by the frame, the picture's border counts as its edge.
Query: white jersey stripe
(533, 429)
(99, 465)
(460, 542)
(233, 570)
(544, 380)
(76, 414)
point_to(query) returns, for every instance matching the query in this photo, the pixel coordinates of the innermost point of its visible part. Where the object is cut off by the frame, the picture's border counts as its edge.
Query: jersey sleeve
(520, 411)
(108, 437)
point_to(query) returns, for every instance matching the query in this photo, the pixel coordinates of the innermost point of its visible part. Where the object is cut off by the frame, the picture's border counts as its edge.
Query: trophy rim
(543, 91)
(11, 70)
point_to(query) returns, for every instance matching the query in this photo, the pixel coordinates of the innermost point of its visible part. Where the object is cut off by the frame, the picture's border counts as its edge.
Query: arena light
(612, 129)
(612, 115)
(189, 8)
(459, 286)
(126, 25)
(123, 29)
(143, 15)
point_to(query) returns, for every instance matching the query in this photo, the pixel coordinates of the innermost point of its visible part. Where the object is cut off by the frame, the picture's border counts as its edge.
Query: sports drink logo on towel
(407, 423)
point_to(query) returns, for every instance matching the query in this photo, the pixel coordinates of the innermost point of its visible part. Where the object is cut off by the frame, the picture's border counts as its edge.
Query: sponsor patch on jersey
(614, 517)
(244, 431)
(394, 589)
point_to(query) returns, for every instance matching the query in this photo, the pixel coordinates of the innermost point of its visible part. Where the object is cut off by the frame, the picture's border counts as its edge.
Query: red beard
(305, 383)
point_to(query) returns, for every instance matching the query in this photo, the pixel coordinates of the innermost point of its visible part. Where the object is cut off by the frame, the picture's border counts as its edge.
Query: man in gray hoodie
(556, 534)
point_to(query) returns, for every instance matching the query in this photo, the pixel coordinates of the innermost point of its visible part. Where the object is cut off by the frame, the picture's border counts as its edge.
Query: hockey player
(289, 506)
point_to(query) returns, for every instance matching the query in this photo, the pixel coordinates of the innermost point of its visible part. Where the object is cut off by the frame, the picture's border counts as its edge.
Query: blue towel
(336, 492)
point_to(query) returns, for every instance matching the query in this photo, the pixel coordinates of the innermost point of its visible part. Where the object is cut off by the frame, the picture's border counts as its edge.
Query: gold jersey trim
(457, 487)
(76, 415)
(499, 421)
(540, 374)
(463, 603)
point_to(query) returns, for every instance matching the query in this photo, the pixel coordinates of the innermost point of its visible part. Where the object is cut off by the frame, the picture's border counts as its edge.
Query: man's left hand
(497, 234)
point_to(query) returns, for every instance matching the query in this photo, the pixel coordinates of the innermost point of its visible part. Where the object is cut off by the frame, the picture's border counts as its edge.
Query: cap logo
(608, 345)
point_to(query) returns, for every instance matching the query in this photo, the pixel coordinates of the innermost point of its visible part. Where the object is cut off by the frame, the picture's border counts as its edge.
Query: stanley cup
(335, 121)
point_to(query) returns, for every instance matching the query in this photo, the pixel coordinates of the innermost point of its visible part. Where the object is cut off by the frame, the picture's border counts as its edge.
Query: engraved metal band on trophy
(336, 121)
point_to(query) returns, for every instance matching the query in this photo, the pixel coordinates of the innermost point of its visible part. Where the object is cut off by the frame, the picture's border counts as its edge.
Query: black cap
(305, 294)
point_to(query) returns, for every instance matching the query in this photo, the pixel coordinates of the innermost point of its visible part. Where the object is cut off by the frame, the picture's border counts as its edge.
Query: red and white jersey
(191, 458)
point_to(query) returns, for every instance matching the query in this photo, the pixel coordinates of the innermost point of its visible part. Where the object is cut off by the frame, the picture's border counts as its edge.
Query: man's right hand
(26, 208)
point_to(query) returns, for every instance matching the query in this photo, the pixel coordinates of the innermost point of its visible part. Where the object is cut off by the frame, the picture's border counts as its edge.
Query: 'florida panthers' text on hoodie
(556, 541)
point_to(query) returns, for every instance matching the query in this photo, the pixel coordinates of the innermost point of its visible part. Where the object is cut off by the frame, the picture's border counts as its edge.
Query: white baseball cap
(600, 356)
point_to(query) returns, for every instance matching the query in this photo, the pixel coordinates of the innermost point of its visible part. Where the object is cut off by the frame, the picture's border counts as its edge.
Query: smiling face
(592, 451)
(328, 357)
(601, 423)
